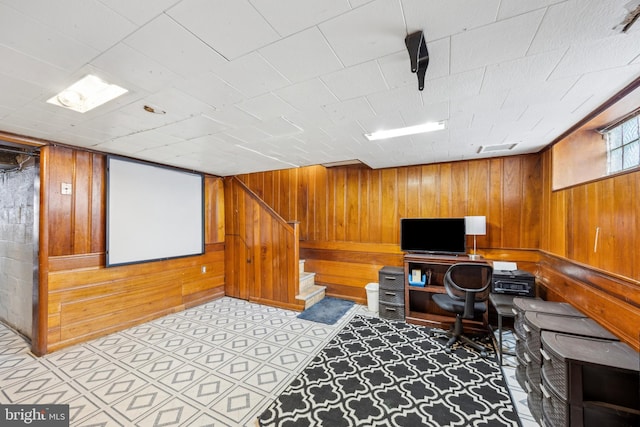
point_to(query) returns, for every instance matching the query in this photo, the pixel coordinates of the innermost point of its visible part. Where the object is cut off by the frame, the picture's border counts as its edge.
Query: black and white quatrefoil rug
(377, 372)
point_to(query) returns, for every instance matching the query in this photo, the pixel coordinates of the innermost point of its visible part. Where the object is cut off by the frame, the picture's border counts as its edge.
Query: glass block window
(623, 145)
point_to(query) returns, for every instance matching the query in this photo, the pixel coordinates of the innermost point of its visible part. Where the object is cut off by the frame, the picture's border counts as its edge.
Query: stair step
(311, 295)
(301, 266)
(307, 280)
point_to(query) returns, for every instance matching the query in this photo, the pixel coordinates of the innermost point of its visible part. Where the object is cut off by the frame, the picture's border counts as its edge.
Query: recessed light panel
(409, 130)
(87, 94)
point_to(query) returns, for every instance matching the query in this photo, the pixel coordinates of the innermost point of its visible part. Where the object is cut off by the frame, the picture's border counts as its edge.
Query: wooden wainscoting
(612, 301)
(87, 301)
(345, 268)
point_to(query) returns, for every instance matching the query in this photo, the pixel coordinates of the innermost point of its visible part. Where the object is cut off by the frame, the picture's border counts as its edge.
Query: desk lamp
(475, 226)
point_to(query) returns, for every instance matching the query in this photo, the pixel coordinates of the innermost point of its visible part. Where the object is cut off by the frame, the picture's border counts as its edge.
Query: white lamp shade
(475, 225)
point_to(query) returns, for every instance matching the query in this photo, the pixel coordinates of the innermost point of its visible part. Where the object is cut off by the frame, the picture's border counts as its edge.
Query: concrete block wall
(17, 248)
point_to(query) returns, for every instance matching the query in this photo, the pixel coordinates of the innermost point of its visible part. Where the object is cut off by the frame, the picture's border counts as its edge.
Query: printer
(513, 282)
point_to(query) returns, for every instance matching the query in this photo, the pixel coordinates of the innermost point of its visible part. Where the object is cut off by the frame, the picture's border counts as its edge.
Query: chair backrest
(469, 282)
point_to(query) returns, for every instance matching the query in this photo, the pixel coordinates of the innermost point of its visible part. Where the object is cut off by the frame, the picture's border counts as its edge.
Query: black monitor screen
(433, 235)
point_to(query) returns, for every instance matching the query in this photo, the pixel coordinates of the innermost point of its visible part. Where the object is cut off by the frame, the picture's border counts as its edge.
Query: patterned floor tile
(236, 406)
(31, 388)
(118, 389)
(208, 389)
(174, 412)
(141, 403)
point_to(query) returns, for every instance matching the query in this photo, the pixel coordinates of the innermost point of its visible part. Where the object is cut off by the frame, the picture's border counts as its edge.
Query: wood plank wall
(79, 298)
(599, 276)
(350, 216)
(262, 250)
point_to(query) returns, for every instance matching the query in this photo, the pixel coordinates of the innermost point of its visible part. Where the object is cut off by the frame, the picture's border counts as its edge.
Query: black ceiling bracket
(419, 55)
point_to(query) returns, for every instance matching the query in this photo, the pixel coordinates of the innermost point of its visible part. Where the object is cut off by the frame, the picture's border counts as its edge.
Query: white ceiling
(254, 85)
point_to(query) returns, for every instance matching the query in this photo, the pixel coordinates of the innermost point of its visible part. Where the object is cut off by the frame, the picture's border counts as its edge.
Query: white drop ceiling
(255, 85)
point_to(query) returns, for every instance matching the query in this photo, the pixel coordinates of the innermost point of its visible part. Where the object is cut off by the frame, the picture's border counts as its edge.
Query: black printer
(514, 282)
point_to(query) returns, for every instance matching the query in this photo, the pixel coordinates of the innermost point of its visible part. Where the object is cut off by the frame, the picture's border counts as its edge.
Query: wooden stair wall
(262, 250)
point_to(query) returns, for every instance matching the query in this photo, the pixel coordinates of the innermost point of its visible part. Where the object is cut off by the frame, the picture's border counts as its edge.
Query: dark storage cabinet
(391, 293)
(589, 382)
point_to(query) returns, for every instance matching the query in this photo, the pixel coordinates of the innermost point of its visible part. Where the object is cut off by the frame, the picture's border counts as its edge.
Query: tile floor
(218, 364)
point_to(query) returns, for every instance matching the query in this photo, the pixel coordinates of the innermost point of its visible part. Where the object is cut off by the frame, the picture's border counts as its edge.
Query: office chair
(468, 286)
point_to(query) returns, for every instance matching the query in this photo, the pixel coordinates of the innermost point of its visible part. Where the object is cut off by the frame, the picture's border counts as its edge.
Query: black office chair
(468, 286)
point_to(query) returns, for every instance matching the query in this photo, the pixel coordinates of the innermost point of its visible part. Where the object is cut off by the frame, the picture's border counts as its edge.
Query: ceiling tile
(134, 67)
(489, 45)
(87, 21)
(307, 94)
(300, 14)
(139, 11)
(265, 106)
(510, 8)
(349, 111)
(238, 30)
(179, 103)
(373, 30)
(193, 127)
(611, 52)
(208, 88)
(38, 40)
(356, 81)
(439, 19)
(173, 46)
(454, 86)
(30, 69)
(302, 56)
(521, 71)
(252, 75)
(17, 93)
(540, 92)
(402, 98)
(577, 21)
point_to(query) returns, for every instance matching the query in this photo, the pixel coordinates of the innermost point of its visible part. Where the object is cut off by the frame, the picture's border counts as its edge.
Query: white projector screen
(153, 212)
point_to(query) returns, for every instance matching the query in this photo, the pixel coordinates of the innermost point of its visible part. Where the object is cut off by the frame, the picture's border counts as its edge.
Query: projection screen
(153, 212)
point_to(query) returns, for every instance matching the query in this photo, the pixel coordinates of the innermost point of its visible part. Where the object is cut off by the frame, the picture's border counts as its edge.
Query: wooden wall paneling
(59, 210)
(81, 203)
(477, 197)
(459, 189)
(444, 201)
(614, 302)
(428, 191)
(512, 202)
(353, 200)
(97, 216)
(364, 203)
(532, 202)
(495, 212)
(627, 193)
(389, 206)
(304, 194)
(339, 205)
(375, 207)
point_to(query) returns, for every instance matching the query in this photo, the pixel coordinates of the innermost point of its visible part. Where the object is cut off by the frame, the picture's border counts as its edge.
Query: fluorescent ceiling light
(87, 94)
(410, 130)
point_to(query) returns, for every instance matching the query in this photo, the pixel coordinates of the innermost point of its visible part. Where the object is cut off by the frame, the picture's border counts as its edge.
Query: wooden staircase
(310, 293)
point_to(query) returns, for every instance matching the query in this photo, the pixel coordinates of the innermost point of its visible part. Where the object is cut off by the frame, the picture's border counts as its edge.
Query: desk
(503, 305)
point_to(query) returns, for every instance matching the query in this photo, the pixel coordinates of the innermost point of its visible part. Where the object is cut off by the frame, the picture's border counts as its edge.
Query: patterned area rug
(377, 372)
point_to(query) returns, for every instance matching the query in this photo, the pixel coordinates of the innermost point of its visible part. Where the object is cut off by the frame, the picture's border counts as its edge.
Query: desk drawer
(391, 278)
(391, 296)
